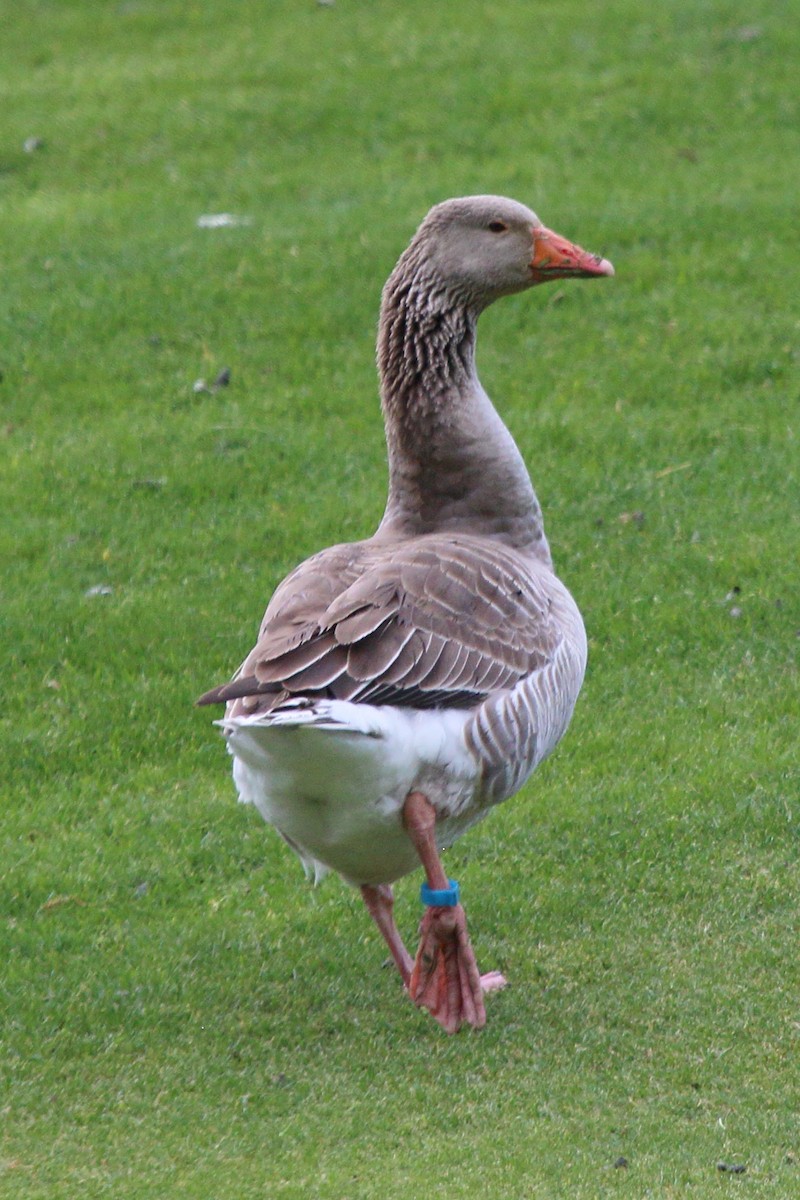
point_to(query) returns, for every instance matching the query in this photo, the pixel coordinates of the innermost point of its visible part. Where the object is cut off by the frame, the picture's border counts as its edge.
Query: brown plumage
(387, 634)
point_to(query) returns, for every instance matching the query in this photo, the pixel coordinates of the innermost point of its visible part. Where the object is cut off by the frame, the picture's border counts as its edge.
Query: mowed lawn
(183, 1016)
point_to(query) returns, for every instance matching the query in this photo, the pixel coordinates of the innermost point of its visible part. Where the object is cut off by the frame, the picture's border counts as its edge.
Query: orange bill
(556, 258)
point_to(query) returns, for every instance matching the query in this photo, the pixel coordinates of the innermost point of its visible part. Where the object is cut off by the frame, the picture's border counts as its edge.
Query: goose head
(484, 247)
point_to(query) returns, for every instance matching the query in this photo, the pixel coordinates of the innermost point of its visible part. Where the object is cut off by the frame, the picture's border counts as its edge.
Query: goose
(403, 685)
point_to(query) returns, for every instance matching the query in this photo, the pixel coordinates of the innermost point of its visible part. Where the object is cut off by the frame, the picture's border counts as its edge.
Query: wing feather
(435, 620)
(372, 657)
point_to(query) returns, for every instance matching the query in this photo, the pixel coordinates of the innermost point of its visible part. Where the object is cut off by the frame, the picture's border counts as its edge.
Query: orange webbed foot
(445, 978)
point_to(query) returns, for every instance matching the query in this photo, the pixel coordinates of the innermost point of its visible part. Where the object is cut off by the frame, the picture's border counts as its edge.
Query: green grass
(180, 1015)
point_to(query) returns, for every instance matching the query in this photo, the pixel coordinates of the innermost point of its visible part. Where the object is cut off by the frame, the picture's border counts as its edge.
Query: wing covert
(432, 622)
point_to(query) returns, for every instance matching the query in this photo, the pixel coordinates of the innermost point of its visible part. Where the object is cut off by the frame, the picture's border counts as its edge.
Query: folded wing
(438, 621)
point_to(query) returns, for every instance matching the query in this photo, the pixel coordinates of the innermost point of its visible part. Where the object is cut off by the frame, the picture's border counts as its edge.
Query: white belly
(333, 779)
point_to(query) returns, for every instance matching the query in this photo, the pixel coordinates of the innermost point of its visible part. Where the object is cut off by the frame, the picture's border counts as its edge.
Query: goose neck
(453, 465)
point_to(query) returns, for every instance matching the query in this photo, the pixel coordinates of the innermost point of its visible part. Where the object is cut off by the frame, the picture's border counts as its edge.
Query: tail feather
(336, 716)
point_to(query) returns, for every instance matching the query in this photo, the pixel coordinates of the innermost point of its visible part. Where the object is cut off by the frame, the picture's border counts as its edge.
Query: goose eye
(498, 226)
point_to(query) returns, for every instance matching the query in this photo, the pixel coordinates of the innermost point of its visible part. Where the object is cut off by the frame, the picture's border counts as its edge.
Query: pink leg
(445, 978)
(380, 902)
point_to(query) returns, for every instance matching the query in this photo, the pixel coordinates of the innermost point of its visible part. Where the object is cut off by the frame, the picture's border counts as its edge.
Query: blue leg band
(441, 897)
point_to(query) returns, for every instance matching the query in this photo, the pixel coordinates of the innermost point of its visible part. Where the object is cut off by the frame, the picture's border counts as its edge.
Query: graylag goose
(403, 685)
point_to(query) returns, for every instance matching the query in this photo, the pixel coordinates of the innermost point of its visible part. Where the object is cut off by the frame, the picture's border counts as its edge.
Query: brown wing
(431, 622)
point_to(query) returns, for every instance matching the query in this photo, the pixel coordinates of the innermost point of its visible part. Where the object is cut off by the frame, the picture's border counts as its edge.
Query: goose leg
(445, 978)
(380, 902)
